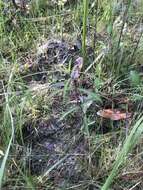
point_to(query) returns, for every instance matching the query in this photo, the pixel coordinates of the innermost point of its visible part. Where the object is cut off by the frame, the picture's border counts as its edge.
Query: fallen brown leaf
(113, 114)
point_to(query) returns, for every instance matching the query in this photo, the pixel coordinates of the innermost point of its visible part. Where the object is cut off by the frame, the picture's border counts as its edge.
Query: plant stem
(85, 15)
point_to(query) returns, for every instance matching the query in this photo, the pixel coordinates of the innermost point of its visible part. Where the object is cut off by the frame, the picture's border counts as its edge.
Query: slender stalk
(3, 164)
(125, 16)
(95, 26)
(85, 15)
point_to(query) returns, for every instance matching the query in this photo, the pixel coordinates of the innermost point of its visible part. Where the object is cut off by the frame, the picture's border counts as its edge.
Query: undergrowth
(51, 133)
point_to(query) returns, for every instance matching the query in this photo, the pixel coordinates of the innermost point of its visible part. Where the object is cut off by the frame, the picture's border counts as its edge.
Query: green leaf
(86, 105)
(135, 78)
(110, 28)
(92, 95)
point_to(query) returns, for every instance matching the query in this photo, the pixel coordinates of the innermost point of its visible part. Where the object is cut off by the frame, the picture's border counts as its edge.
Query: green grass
(10, 124)
(85, 17)
(128, 145)
(110, 75)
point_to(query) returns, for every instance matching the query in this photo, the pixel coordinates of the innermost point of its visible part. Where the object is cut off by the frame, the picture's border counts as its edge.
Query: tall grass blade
(85, 15)
(130, 142)
(3, 164)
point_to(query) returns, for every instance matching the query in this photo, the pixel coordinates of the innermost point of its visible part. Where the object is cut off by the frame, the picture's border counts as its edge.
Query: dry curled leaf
(114, 115)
